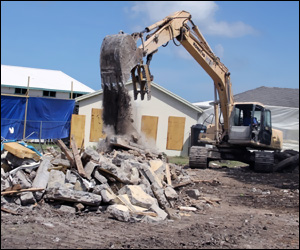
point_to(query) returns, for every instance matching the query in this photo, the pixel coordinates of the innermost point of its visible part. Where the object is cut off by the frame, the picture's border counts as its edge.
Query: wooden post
(77, 157)
(67, 152)
(25, 119)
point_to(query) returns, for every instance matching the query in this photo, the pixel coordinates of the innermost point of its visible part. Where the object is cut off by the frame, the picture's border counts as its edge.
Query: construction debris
(133, 183)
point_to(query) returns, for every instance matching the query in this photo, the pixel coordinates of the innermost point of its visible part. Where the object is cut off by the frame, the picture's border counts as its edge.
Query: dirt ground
(242, 210)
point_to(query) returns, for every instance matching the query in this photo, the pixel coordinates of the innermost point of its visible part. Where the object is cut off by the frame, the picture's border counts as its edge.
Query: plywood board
(21, 151)
(78, 128)
(96, 125)
(149, 126)
(175, 133)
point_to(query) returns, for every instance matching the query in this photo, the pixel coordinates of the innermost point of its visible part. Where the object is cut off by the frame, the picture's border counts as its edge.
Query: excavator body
(231, 138)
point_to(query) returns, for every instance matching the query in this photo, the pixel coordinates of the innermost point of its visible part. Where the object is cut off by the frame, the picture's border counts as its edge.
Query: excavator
(241, 131)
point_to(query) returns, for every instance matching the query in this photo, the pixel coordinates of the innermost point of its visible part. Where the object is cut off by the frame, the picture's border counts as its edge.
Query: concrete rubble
(132, 184)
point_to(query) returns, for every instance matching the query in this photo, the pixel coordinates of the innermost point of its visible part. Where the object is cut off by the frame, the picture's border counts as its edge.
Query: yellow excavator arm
(180, 26)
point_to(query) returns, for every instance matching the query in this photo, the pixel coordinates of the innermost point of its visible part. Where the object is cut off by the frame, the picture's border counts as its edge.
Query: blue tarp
(47, 118)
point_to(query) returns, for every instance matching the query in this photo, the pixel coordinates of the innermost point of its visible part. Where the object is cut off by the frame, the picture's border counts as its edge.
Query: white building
(166, 119)
(41, 82)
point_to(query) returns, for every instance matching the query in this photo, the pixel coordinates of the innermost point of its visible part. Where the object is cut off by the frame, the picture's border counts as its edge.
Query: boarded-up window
(78, 128)
(149, 126)
(175, 133)
(96, 125)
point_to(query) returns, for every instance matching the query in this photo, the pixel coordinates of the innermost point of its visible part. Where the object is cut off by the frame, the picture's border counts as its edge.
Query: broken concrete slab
(27, 198)
(70, 177)
(88, 155)
(170, 193)
(160, 195)
(73, 196)
(120, 212)
(161, 214)
(137, 196)
(114, 171)
(120, 157)
(89, 169)
(22, 179)
(149, 174)
(56, 179)
(99, 177)
(42, 176)
(107, 195)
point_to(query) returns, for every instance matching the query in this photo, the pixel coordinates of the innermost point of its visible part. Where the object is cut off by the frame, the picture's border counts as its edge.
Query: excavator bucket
(119, 55)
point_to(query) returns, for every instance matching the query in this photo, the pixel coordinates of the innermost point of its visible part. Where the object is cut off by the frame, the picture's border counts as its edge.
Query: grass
(183, 161)
(179, 160)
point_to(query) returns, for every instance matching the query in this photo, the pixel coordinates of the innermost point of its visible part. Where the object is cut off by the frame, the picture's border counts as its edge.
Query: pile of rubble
(130, 183)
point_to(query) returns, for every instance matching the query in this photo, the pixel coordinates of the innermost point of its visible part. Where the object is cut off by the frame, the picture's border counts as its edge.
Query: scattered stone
(193, 193)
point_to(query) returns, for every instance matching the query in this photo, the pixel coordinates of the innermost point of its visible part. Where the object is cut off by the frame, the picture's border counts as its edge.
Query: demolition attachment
(119, 59)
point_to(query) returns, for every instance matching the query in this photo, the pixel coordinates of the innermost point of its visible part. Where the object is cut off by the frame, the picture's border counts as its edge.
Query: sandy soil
(245, 210)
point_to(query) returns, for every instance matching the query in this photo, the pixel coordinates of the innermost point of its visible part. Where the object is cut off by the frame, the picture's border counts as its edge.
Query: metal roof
(271, 96)
(17, 77)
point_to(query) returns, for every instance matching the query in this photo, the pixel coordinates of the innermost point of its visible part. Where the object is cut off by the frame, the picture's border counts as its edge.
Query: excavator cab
(250, 125)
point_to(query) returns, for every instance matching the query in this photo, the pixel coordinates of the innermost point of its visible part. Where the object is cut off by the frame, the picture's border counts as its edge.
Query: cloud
(203, 15)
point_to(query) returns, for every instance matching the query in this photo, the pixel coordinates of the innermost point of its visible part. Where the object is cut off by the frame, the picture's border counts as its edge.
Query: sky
(258, 41)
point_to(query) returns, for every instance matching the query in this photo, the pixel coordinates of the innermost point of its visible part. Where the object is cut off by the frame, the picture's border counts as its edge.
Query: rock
(193, 193)
(81, 186)
(170, 193)
(149, 174)
(159, 194)
(75, 196)
(4, 180)
(121, 157)
(70, 177)
(42, 176)
(117, 171)
(56, 179)
(99, 177)
(161, 214)
(89, 169)
(107, 195)
(90, 154)
(79, 207)
(27, 198)
(137, 196)
(98, 188)
(120, 212)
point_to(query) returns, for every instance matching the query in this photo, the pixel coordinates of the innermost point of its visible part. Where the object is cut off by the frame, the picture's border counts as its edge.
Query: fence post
(27, 96)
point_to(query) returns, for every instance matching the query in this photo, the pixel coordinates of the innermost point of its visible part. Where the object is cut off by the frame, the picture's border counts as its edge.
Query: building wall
(161, 105)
